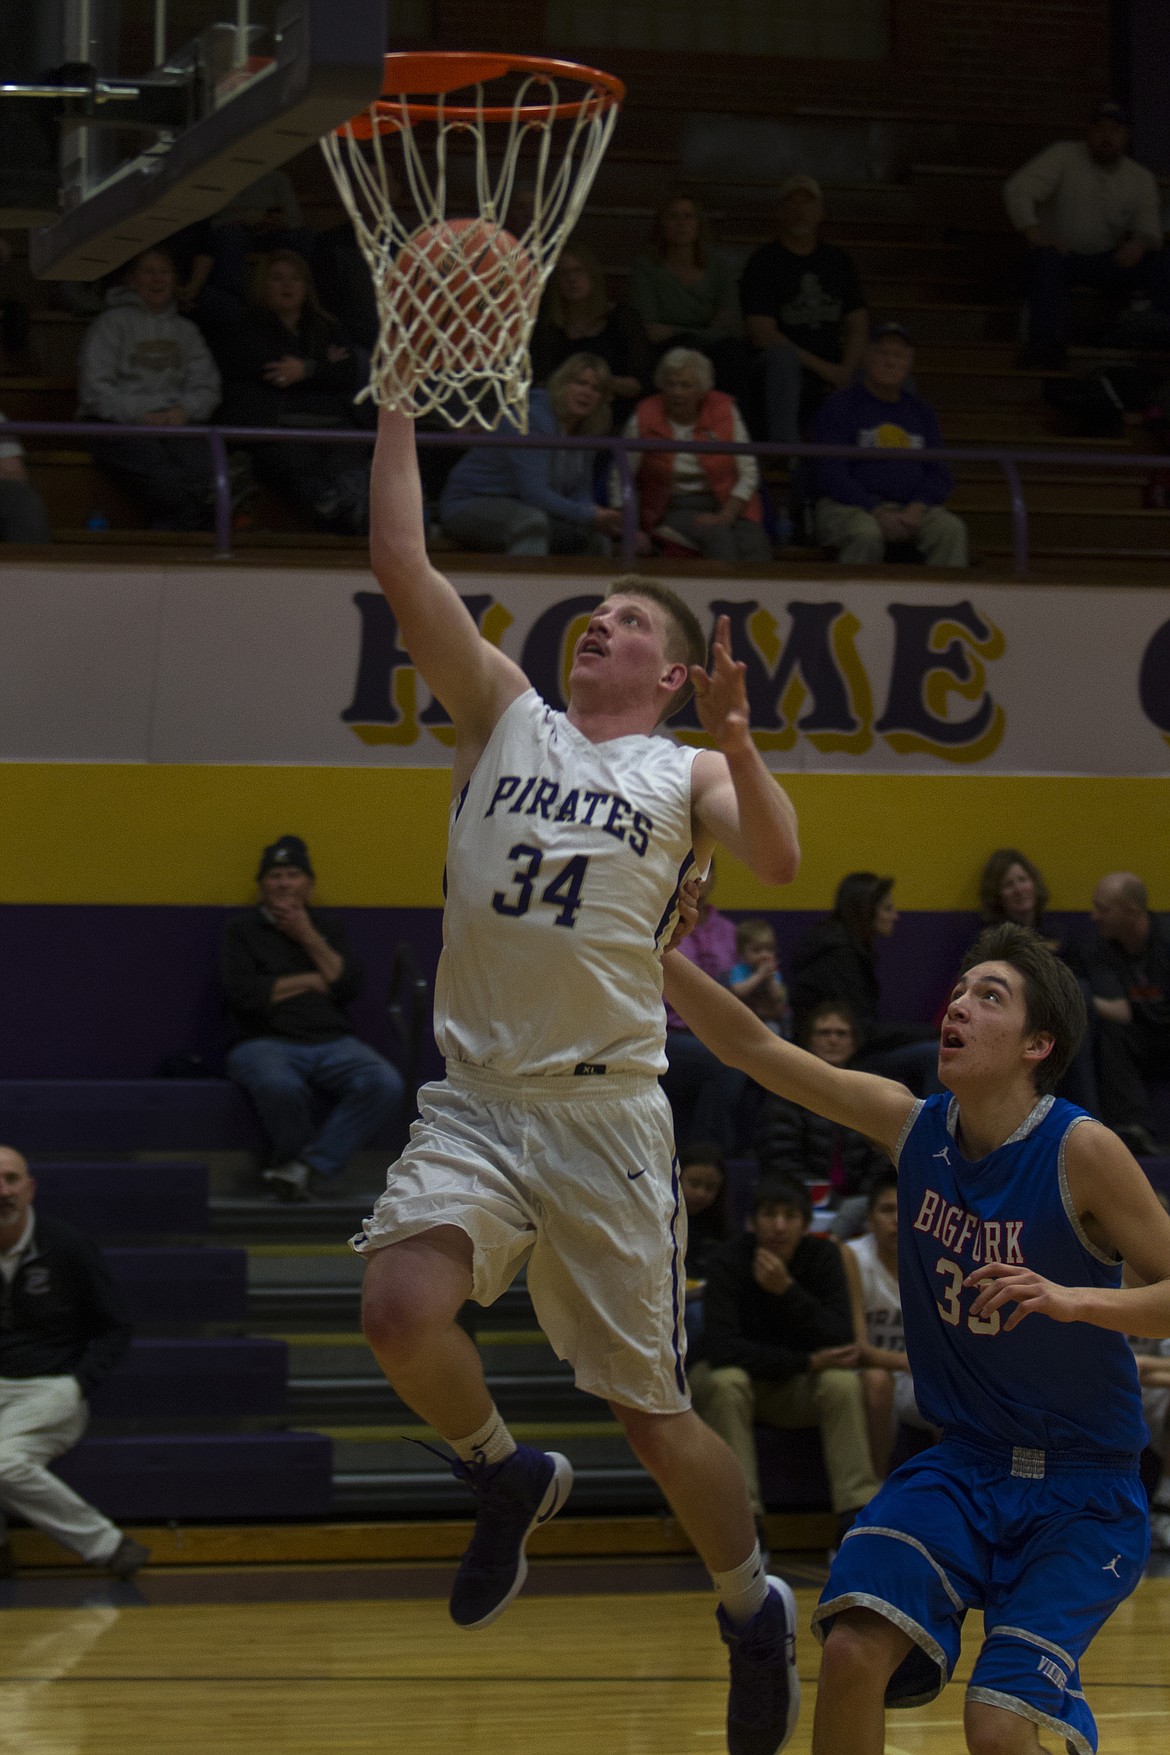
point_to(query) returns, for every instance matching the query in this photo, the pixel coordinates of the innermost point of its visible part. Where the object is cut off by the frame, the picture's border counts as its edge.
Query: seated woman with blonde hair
(528, 501)
(708, 503)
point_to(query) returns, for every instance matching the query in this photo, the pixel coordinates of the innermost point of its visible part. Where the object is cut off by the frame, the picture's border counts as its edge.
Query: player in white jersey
(871, 1269)
(549, 1142)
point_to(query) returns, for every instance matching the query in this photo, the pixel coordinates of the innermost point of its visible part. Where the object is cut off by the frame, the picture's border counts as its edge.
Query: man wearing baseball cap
(892, 495)
(1092, 216)
(803, 310)
(287, 974)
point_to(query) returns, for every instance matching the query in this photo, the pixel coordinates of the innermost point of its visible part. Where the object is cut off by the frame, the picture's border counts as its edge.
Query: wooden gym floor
(596, 1656)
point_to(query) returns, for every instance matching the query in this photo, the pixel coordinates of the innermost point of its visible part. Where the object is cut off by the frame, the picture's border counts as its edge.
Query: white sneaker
(290, 1181)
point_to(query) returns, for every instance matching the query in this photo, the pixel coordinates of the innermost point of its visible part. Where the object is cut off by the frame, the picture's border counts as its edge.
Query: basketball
(465, 290)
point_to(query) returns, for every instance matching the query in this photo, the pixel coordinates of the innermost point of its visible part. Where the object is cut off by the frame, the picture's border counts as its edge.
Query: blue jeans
(279, 1077)
(1053, 273)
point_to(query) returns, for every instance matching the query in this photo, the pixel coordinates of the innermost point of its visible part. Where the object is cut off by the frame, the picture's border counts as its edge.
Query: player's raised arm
(873, 1106)
(735, 801)
(471, 677)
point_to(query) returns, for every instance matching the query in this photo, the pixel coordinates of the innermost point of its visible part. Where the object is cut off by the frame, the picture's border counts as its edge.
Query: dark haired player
(1015, 1212)
(549, 1142)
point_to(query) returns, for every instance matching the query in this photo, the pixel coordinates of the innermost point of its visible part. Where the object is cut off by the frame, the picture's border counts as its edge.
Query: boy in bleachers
(755, 975)
(871, 1270)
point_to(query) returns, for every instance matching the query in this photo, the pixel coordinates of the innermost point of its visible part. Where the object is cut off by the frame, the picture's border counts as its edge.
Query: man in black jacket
(288, 974)
(795, 1143)
(1127, 965)
(60, 1334)
(778, 1346)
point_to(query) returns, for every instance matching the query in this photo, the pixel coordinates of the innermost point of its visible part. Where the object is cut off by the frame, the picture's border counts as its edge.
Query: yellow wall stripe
(129, 833)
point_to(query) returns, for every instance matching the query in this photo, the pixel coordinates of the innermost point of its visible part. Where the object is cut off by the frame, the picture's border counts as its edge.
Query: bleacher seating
(172, 1288)
(184, 1427)
(207, 1475)
(934, 250)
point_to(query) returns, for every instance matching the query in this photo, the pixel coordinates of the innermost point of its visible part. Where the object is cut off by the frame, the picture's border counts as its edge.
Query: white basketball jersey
(564, 861)
(880, 1297)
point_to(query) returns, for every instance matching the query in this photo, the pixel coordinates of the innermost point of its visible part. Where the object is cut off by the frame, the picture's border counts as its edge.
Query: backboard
(161, 110)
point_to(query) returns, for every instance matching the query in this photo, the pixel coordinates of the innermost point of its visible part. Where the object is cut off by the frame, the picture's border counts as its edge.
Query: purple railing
(1006, 460)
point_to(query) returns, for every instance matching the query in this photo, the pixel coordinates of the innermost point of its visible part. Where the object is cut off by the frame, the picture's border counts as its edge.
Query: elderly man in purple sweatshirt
(863, 505)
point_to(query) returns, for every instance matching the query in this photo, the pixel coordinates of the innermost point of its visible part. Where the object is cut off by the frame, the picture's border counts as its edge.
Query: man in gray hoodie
(143, 364)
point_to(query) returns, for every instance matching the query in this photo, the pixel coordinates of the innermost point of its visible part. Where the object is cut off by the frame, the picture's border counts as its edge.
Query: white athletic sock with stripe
(492, 1443)
(743, 1590)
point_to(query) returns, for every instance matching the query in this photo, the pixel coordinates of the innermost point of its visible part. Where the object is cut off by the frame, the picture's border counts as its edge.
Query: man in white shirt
(1092, 216)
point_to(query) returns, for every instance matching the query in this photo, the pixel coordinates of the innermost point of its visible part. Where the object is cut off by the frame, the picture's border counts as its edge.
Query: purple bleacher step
(262, 1475)
(172, 1286)
(125, 1200)
(196, 1379)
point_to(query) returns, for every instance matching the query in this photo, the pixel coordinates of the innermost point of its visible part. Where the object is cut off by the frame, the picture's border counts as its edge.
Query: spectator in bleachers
(702, 1179)
(288, 974)
(1012, 888)
(1092, 216)
(1127, 965)
(703, 1093)
(1153, 1365)
(61, 1333)
(755, 975)
(141, 363)
(705, 503)
(871, 1270)
(863, 506)
(287, 363)
(577, 314)
(803, 312)
(529, 501)
(778, 1347)
(685, 291)
(258, 221)
(796, 1142)
(837, 960)
(23, 514)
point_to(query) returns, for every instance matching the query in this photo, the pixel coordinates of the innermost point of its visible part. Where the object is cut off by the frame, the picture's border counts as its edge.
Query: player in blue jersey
(1015, 1213)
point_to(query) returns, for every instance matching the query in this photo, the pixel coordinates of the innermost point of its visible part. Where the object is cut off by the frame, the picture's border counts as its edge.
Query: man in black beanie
(288, 974)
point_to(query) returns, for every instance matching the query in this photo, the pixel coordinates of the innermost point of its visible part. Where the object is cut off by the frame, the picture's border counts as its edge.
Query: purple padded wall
(111, 992)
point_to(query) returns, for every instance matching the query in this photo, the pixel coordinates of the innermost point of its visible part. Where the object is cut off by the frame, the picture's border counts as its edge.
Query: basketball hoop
(458, 293)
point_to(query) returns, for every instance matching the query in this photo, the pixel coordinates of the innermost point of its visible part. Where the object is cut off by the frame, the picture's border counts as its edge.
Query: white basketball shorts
(575, 1178)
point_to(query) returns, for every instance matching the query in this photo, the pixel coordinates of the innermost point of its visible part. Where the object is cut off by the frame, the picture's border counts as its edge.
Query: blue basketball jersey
(1046, 1385)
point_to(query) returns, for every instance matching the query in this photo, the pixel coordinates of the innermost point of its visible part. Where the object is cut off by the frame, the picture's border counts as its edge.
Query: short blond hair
(685, 641)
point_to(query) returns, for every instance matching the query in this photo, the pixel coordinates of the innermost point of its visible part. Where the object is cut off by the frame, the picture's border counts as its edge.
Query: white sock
(492, 1443)
(742, 1590)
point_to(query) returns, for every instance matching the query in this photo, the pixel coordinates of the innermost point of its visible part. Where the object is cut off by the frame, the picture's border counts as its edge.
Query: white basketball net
(458, 297)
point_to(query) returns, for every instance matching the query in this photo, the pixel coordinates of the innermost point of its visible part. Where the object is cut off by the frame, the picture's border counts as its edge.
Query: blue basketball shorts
(1047, 1556)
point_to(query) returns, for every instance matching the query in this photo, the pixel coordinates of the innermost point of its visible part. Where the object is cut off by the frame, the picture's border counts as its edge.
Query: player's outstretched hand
(721, 693)
(1000, 1283)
